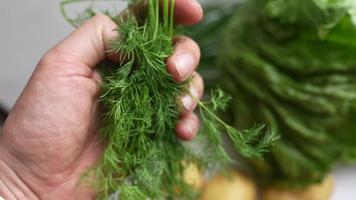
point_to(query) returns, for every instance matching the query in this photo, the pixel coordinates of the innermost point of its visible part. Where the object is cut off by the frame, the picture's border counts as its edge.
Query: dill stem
(166, 19)
(156, 17)
(68, 2)
(202, 105)
(64, 12)
(218, 119)
(172, 18)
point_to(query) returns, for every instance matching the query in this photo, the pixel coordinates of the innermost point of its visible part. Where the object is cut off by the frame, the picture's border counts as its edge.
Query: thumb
(87, 45)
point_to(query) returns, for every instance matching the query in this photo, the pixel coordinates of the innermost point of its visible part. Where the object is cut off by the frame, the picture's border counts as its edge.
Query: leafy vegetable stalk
(144, 159)
(292, 64)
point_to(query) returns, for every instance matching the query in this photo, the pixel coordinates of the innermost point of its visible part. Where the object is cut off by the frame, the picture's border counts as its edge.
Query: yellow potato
(192, 176)
(235, 186)
(319, 191)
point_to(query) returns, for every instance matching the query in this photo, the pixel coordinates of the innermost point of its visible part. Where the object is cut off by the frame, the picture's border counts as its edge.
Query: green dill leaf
(144, 158)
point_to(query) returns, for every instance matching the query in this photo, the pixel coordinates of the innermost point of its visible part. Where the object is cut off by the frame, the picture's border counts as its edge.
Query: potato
(319, 191)
(234, 187)
(192, 176)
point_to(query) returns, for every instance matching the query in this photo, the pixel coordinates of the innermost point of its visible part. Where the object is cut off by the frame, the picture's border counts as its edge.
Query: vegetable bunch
(144, 159)
(292, 64)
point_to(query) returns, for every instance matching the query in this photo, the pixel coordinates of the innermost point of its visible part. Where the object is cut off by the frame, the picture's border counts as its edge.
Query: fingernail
(188, 102)
(193, 92)
(189, 127)
(195, 3)
(185, 64)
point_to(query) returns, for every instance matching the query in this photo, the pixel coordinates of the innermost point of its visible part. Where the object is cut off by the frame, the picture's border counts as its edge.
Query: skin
(51, 135)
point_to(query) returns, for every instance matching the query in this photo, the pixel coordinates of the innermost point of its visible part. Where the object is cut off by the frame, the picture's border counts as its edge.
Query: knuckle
(199, 84)
(101, 17)
(102, 20)
(199, 79)
(187, 44)
(58, 57)
(180, 39)
(50, 56)
(195, 117)
(185, 41)
(56, 54)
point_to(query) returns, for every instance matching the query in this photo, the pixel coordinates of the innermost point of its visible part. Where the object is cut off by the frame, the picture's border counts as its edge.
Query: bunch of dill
(290, 63)
(144, 159)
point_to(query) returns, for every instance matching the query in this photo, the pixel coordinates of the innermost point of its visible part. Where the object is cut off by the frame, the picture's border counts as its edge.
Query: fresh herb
(292, 64)
(144, 159)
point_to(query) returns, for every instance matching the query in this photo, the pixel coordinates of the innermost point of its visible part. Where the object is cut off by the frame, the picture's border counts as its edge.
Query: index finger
(188, 12)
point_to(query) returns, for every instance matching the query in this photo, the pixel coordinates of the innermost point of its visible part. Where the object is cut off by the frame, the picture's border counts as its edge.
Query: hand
(51, 135)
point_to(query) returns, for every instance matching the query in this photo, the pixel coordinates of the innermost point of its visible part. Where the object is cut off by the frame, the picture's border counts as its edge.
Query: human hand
(51, 135)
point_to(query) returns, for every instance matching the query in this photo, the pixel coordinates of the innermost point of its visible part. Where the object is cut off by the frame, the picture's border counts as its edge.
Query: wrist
(11, 185)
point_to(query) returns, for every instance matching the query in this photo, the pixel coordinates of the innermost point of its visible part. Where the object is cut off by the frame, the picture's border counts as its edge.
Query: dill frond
(144, 158)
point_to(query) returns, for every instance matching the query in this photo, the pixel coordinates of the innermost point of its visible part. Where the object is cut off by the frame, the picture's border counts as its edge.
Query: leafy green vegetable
(144, 159)
(290, 63)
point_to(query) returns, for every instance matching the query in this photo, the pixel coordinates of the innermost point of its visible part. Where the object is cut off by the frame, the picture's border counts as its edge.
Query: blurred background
(30, 28)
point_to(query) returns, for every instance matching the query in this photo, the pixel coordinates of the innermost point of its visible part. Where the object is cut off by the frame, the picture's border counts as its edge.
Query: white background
(29, 27)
